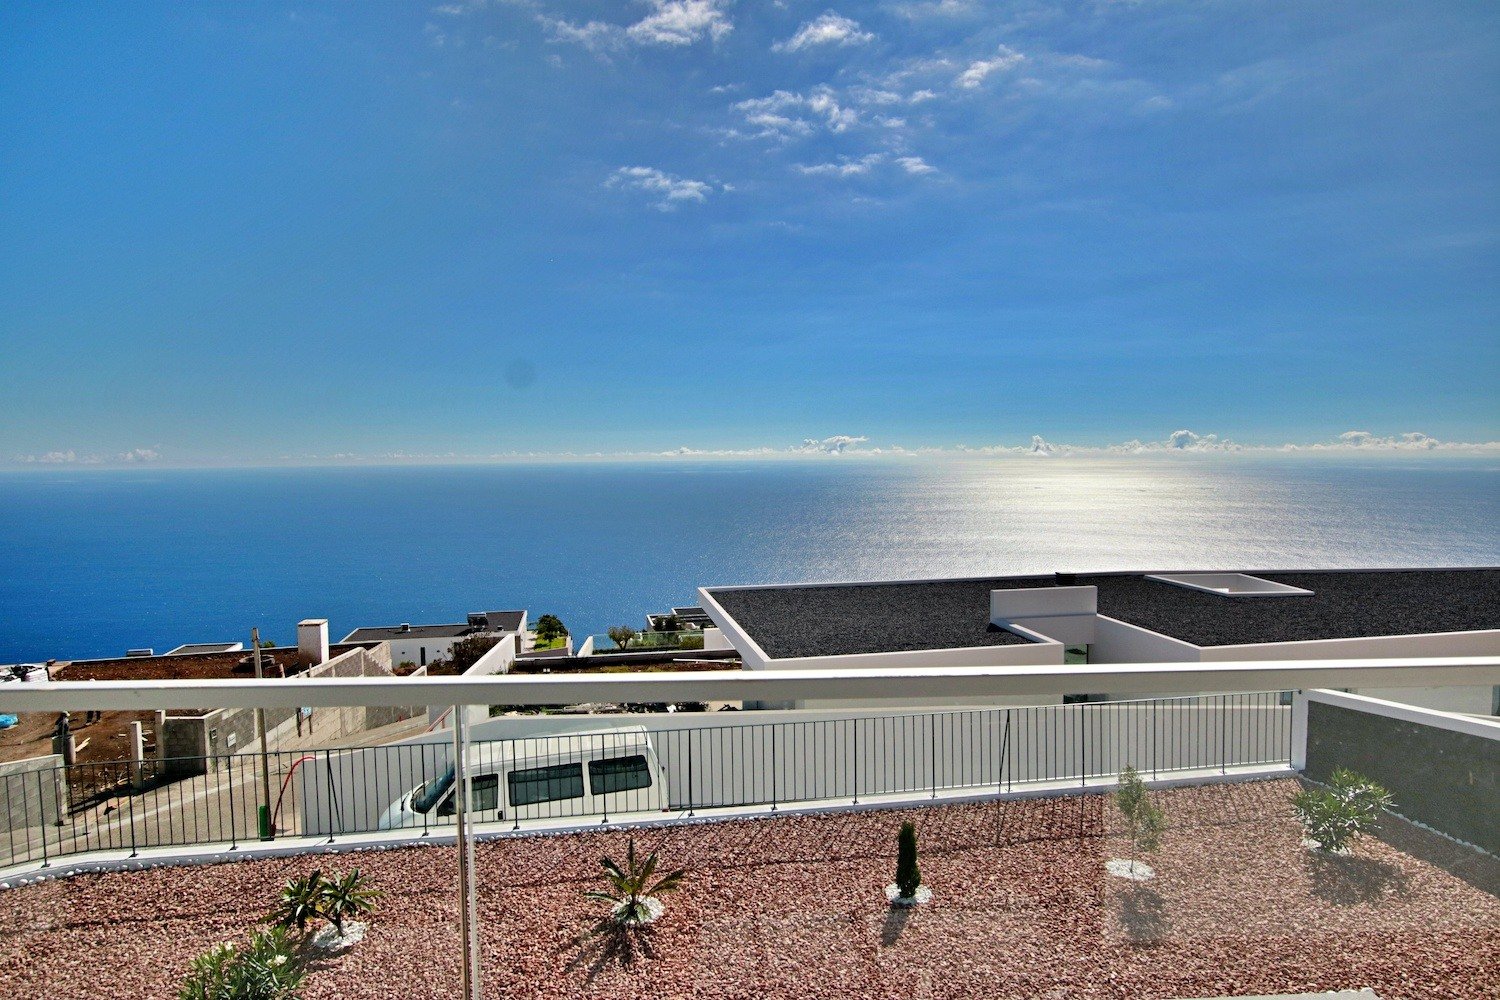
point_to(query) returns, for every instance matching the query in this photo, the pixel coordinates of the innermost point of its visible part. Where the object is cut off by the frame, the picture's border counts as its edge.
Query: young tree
(1144, 821)
(550, 627)
(622, 635)
(467, 651)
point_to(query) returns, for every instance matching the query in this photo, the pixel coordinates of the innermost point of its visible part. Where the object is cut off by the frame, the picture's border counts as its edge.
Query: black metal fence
(630, 766)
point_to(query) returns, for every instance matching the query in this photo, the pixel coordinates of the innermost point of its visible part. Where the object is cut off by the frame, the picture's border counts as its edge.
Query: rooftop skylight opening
(1230, 584)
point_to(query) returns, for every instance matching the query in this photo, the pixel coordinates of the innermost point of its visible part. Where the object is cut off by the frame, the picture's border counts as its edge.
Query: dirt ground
(794, 907)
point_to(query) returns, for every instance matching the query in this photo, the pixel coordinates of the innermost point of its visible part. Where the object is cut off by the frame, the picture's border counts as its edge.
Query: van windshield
(429, 793)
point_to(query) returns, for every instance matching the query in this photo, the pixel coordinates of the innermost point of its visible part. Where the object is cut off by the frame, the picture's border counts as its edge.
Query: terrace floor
(793, 906)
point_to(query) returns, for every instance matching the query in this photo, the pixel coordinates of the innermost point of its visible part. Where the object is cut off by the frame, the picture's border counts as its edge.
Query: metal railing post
(932, 750)
(1083, 749)
(689, 734)
(335, 814)
(1223, 729)
(1153, 739)
(774, 728)
(854, 758)
(234, 826)
(42, 826)
(468, 915)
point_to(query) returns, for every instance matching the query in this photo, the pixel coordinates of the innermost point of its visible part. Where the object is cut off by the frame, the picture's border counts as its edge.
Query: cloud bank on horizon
(1180, 442)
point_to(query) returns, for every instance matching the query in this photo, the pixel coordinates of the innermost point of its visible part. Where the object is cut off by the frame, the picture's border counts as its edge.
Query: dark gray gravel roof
(871, 618)
(1344, 605)
(890, 617)
(415, 632)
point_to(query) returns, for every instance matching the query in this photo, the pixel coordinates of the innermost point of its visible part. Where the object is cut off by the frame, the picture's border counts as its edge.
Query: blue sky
(255, 233)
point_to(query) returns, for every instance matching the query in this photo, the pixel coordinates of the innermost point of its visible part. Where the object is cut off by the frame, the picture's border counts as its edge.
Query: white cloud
(919, 96)
(671, 22)
(1041, 446)
(915, 165)
(140, 455)
(1410, 441)
(72, 457)
(49, 458)
(937, 8)
(1004, 59)
(681, 22)
(845, 167)
(786, 113)
(828, 29)
(836, 445)
(669, 189)
(596, 36)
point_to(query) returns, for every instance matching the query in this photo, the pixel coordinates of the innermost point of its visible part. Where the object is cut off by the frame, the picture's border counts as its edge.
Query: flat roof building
(421, 644)
(1124, 617)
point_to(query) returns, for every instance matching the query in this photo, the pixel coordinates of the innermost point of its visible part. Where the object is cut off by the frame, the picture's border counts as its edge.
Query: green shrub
(1332, 817)
(265, 969)
(630, 886)
(908, 875)
(334, 898)
(1144, 820)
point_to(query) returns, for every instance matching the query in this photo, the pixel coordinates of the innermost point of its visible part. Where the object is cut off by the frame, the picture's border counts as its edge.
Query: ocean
(95, 562)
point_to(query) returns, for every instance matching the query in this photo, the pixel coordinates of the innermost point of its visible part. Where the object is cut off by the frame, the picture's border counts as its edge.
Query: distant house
(685, 618)
(422, 644)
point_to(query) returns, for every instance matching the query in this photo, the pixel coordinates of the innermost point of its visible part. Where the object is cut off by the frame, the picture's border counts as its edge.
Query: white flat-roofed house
(1125, 618)
(423, 644)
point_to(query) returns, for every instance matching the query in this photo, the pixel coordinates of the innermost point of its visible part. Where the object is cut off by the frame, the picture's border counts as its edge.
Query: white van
(599, 773)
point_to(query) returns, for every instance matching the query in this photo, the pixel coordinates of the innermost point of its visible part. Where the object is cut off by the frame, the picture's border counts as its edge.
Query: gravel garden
(1021, 905)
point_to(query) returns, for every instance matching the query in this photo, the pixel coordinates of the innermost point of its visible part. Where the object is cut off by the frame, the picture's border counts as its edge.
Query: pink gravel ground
(793, 907)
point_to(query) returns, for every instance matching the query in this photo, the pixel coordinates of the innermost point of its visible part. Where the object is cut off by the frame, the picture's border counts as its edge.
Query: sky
(255, 233)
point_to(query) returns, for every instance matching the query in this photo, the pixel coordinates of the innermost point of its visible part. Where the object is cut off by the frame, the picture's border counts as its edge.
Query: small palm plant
(1144, 820)
(632, 895)
(1349, 807)
(297, 906)
(334, 898)
(346, 896)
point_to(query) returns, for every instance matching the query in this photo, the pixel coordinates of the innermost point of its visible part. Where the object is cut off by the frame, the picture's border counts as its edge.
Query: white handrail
(894, 685)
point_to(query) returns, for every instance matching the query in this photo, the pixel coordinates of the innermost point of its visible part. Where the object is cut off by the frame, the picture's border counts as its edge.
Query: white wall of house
(421, 650)
(1469, 700)
(1121, 642)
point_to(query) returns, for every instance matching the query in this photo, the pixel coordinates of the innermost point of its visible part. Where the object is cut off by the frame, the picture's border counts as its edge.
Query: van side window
(486, 796)
(487, 793)
(545, 784)
(618, 774)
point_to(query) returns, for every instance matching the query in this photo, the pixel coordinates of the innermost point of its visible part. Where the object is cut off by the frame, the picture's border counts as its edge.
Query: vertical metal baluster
(854, 758)
(932, 751)
(1223, 728)
(774, 786)
(42, 801)
(234, 827)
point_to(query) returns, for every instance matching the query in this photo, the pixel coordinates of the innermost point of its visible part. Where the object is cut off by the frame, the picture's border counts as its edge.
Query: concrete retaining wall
(1443, 770)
